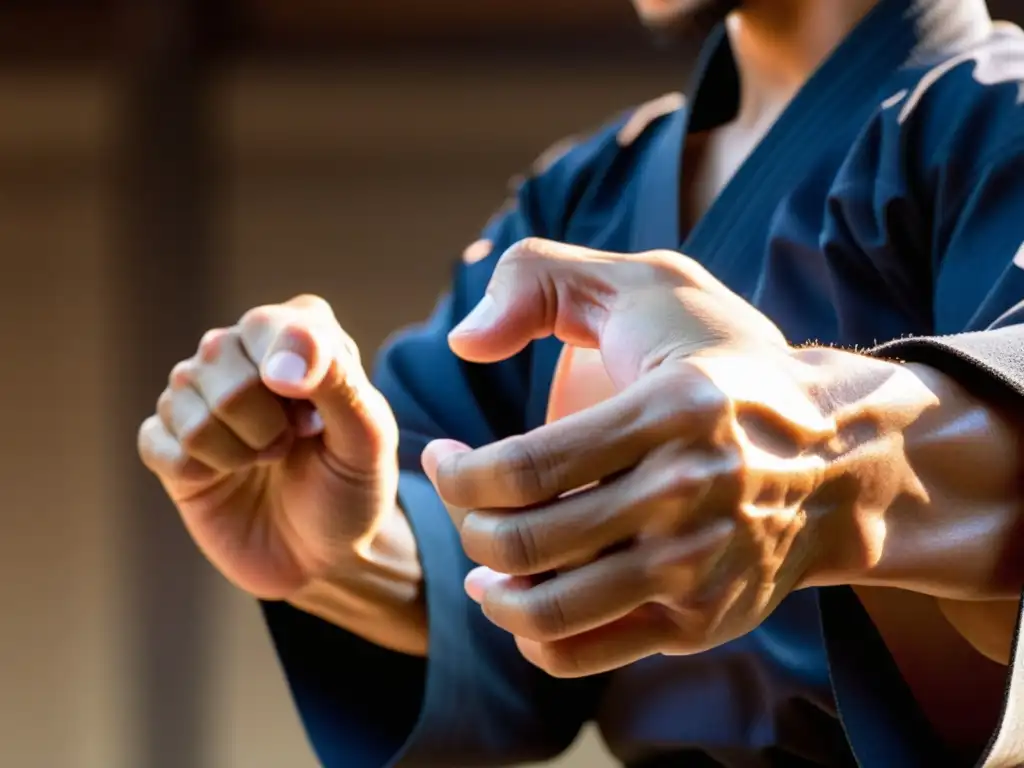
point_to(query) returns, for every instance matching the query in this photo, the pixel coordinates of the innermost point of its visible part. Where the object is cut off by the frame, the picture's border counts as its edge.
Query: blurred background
(164, 165)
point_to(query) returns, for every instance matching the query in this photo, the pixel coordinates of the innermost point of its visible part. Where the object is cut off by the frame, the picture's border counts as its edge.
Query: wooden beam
(164, 280)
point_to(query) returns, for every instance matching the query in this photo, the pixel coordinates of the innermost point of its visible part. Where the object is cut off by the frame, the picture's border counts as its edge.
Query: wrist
(376, 591)
(867, 471)
(930, 483)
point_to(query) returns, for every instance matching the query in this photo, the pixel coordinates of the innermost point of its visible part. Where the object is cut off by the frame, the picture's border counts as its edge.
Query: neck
(778, 44)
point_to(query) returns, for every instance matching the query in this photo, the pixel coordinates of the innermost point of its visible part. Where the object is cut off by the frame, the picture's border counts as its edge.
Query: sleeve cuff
(987, 362)
(991, 364)
(438, 735)
(882, 720)
(357, 701)
(483, 704)
(476, 701)
(367, 707)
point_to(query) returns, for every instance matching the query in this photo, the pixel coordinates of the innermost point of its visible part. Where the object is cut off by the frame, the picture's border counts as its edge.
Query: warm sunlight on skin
(907, 621)
(581, 381)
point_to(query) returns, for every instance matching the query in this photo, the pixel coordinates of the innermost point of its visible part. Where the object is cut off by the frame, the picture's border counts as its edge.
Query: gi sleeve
(955, 205)
(475, 700)
(979, 307)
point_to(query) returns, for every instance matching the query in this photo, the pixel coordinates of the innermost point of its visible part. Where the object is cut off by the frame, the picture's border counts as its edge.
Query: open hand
(677, 514)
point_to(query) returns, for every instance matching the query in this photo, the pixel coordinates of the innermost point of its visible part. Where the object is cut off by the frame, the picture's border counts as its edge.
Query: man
(851, 173)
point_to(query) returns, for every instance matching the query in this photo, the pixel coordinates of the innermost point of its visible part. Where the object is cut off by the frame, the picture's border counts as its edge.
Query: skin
(730, 468)
(280, 455)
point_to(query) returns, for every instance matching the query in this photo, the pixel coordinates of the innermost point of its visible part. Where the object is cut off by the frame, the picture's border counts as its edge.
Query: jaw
(683, 22)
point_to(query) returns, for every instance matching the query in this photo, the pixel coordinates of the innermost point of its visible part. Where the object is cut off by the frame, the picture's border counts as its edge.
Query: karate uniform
(884, 207)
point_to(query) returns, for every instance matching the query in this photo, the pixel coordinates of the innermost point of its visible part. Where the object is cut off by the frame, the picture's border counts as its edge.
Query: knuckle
(523, 261)
(262, 319)
(668, 264)
(182, 375)
(686, 384)
(527, 249)
(514, 548)
(679, 267)
(211, 343)
(528, 475)
(311, 303)
(544, 618)
(145, 438)
(449, 486)
(711, 402)
(159, 452)
(165, 405)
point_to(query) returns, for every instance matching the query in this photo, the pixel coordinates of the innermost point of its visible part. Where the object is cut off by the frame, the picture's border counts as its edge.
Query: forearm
(960, 537)
(954, 530)
(378, 593)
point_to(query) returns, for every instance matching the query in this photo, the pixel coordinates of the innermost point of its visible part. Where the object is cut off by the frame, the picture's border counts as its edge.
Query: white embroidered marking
(646, 114)
(989, 69)
(1018, 260)
(895, 99)
(553, 154)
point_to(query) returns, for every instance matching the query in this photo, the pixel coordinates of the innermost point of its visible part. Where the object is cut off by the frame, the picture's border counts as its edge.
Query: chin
(683, 20)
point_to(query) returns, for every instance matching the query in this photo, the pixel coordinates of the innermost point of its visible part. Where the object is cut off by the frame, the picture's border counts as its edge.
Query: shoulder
(966, 107)
(624, 132)
(559, 178)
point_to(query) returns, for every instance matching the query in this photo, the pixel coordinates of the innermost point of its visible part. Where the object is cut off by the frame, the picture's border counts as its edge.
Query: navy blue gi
(886, 203)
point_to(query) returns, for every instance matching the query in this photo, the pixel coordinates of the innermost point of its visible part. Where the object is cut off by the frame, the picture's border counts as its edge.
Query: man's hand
(281, 457)
(728, 470)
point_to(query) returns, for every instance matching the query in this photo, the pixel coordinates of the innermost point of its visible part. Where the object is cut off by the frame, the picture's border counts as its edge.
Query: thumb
(539, 288)
(319, 363)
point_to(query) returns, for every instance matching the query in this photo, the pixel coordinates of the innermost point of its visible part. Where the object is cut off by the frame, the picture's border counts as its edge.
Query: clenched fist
(277, 450)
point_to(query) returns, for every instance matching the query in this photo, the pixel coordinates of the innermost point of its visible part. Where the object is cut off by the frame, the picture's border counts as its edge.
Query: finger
(230, 384)
(567, 604)
(637, 635)
(436, 452)
(570, 603)
(635, 308)
(303, 353)
(661, 496)
(189, 419)
(539, 288)
(561, 534)
(542, 288)
(576, 601)
(164, 456)
(677, 404)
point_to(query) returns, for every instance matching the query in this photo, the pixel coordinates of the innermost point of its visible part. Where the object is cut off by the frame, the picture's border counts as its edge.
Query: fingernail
(482, 316)
(479, 580)
(437, 451)
(286, 367)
